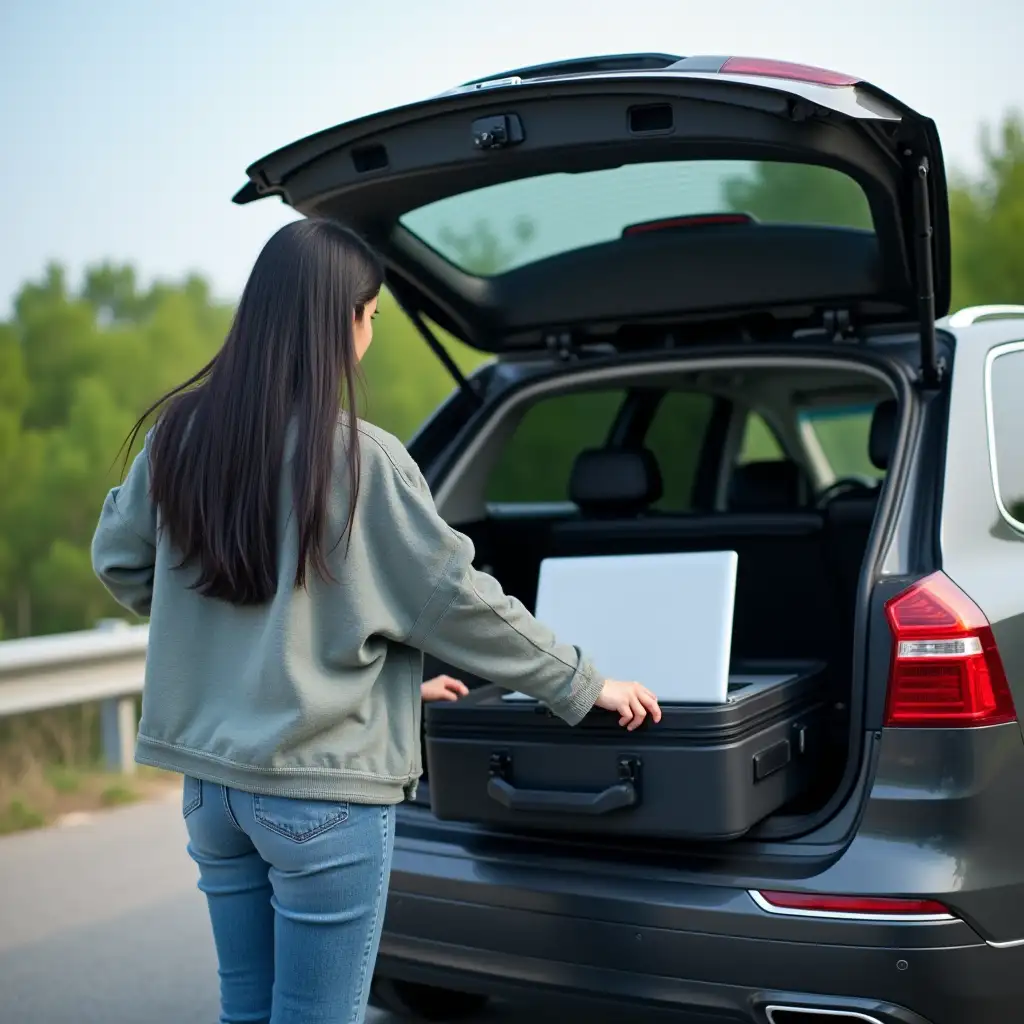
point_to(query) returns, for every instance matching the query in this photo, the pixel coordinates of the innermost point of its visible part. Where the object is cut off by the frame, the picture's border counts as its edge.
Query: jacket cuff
(584, 689)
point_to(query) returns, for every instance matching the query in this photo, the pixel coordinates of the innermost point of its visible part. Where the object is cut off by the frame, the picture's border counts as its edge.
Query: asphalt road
(101, 923)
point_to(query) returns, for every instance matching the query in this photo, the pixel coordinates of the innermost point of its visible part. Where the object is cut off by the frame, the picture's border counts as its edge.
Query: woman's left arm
(124, 545)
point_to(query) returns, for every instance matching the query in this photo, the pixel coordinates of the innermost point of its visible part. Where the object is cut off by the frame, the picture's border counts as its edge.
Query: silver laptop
(663, 620)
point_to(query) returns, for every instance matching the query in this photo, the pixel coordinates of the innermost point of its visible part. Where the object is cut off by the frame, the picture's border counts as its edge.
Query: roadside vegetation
(51, 766)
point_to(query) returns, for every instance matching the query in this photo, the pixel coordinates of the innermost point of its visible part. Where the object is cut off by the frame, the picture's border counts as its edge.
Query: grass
(17, 817)
(118, 794)
(64, 779)
(50, 765)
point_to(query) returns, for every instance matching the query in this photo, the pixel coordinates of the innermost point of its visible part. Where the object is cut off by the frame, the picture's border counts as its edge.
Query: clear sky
(126, 125)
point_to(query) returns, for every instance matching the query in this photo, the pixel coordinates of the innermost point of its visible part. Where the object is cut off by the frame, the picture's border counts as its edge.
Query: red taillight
(850, 906)
(783, 69)
(946, 670)
(698, 220)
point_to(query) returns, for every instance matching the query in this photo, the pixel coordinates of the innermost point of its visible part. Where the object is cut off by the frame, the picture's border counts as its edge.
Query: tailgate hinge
(559, 343)
(838, 324)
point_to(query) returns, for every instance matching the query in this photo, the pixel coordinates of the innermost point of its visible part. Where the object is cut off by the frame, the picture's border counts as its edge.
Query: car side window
(759, 442)
(1006, 425)
(537, 460)
(675, 437)
(843, 436)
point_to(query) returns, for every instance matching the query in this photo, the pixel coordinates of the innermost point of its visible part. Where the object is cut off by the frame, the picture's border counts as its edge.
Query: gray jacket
(316, 694)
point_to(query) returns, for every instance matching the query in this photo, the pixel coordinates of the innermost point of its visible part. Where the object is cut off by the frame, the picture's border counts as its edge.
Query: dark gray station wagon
(711, 286)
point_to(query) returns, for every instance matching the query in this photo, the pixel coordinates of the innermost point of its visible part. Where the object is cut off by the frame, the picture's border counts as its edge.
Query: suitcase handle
(566, 801)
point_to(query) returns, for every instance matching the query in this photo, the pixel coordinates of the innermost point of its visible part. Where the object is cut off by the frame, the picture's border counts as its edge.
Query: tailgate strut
(931, 372)
(464, 383)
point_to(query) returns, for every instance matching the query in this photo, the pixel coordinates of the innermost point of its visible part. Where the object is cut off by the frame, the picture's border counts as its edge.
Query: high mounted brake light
(946, 670)
(783, 69)
(696, 220)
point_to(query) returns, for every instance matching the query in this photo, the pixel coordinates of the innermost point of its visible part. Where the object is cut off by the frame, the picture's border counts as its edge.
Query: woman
(294, 568)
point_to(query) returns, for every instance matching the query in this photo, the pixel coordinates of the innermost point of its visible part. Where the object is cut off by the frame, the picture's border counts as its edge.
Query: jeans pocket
(298, 820)
(191, 795)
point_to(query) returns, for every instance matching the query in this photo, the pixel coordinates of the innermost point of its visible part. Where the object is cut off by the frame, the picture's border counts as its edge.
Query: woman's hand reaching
(630, 701)
(443, 688)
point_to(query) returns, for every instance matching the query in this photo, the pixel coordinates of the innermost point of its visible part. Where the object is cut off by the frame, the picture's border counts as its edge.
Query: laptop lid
(664, 620)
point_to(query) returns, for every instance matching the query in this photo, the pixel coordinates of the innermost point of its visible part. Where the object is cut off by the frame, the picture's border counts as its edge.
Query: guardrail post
(118, 727)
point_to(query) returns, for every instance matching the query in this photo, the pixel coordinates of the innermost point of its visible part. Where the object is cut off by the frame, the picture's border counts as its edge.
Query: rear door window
(536, 463)
(759, 442)
(676, 438)
(1005, 386)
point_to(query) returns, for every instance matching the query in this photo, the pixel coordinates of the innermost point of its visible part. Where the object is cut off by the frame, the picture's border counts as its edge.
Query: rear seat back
(608, 483)
(771, 486)
(785, 605)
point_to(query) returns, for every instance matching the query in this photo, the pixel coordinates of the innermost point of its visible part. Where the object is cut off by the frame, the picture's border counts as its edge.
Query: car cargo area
(781, 461)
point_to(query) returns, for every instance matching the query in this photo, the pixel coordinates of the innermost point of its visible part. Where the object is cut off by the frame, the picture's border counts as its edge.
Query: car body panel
(942, 821)
(981, 550)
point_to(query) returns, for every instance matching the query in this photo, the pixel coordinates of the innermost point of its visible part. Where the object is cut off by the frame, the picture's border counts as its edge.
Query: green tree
(986, 211)
(403, 380)
(481, 250)
(76, 369)
(987, 221)
(785, 193)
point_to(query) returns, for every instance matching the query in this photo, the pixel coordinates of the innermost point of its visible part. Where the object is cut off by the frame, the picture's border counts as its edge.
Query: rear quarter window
(843, 434)
(675, 436)
(1004, 384)
(759, 442)
(536, 463)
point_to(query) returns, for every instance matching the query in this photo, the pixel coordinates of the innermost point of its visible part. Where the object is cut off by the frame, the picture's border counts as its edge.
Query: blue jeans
(296, 891)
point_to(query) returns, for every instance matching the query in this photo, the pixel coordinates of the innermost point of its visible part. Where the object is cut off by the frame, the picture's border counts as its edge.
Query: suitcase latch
(500, 766)
(629, 770)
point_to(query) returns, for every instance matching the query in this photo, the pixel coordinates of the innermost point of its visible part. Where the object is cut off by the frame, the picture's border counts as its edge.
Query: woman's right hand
(630, 701)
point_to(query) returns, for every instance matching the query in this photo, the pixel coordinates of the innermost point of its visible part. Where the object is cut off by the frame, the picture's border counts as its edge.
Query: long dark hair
(217, 450)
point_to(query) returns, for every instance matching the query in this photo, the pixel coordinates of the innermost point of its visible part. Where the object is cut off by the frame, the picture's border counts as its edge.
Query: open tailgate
(584, 118)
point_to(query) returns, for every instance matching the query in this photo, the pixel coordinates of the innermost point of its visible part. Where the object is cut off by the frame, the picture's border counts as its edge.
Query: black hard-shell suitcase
(704, 772)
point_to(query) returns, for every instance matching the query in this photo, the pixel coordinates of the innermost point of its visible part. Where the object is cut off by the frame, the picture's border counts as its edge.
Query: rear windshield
(501, 227)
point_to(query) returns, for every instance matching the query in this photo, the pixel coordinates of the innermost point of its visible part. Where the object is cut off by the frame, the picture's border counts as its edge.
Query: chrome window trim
(990, 427)
(840, 1015)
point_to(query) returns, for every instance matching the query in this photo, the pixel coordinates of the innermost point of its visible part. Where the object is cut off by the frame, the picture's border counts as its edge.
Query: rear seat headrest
(766, 487)
(608, 482)
(883, 433)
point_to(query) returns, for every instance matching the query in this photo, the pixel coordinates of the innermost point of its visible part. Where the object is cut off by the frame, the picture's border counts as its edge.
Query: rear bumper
(503, 926)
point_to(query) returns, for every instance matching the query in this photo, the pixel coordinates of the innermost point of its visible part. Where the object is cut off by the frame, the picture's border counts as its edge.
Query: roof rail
(976, 314)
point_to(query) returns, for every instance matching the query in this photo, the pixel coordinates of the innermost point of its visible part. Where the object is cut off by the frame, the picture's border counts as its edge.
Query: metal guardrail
(104, 665)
